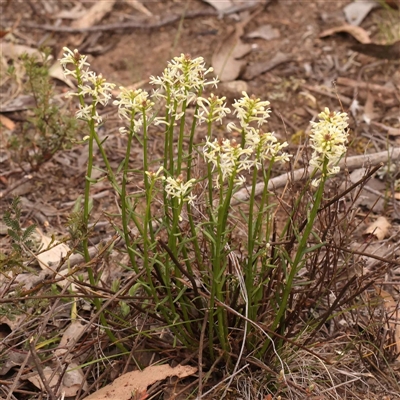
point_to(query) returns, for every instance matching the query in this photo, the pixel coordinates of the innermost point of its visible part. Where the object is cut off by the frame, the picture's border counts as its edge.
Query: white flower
(73, 57)
(130, 102)
(181, 82)
(265, 146)
(89, 84)
(87, 113)
(155, 175)
(96, 87)
(228, 158)
(212, 109)
(328, 139)
(180, 190)
(251, 109)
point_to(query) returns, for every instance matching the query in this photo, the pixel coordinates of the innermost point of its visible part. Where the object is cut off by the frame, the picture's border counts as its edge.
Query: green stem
(180, 139)
(86, 202)
(219, 262)
(299, 257)
(86, 214)
(125, 214)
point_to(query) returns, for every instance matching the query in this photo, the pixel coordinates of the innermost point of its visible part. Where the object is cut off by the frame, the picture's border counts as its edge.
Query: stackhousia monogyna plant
(198, 281)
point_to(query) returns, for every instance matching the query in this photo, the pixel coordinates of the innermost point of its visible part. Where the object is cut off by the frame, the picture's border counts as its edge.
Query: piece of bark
(365, 85)
(382, 51)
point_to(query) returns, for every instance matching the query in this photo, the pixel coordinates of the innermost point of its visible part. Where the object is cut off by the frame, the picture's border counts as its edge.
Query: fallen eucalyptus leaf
(56, 71)
(94, 14)
(133, 383)
(259, 68)
(266, 32)
(56, 251)
(225, 59)
(357, 32)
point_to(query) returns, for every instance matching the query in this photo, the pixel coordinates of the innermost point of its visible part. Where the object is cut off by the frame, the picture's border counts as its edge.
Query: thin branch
(143, 24)
(349, 163)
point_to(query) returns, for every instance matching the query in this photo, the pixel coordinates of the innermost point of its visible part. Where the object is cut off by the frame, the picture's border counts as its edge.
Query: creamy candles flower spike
(265, 146)
(97, 87)
(155, 175)
(75, 58)
(212, 109)
(251, 109)
(328, 139)
(228, 158)
(182, 81)
(131, 102)
(88, 84)
(180, 190)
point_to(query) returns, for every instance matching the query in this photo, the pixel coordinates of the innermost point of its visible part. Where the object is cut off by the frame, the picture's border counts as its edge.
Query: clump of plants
(21, 238)
(197, 287)
(46, 130)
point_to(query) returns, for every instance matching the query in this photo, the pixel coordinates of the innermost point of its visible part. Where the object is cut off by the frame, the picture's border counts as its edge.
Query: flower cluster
(229, 158)
(265, 146)
(248, 110)
(180, 190)
(328, 139)
(155, 175)
(88, 84)
(131, 103)
(181, 82)
(212, 109)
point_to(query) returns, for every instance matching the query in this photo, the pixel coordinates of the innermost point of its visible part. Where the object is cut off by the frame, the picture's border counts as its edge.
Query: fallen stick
(344, 99)
(365, 85)
(350, 163)
(143, 24)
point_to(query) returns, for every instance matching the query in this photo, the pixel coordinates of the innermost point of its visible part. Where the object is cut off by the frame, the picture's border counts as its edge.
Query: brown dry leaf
(136, 382)
(7, 122)
(56, 251)
(74, 331)
(259, 68)
(392, 308)
(357, 32)
(47, 372)
(379, 228)
(13, 359)
(94, 15)
(56, 71)
(73, 381)
(11, 50)
(266, 32)
(225, 59)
